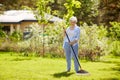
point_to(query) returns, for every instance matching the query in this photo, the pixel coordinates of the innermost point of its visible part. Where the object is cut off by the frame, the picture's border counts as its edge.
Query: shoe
(68, 71)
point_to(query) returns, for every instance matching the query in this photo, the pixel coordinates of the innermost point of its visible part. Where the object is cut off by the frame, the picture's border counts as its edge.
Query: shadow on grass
(6, 52)
(20, 59)
(62, 74)
(116, 70)
(110, 79)
(114, 62)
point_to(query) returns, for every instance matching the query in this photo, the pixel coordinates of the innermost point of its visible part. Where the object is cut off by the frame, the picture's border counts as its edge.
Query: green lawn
(14, 67)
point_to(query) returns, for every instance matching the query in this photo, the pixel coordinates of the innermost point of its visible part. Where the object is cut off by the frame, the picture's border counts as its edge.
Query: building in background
(18, 20)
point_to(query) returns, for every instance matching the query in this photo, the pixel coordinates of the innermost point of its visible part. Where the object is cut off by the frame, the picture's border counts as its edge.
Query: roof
(18, 16)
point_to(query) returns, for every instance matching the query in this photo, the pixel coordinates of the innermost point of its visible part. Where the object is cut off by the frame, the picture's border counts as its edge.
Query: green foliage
(114, 36)
(93, 41)
(16, 36)
(109, 11)
(17, 4)
(42, 9)
(88, 11)
(70, 5)
(33, 44)
(91, 35)
(2, 33)
(115, 48)
(84, 10)
(115, 31)
(55, 38)
(51, 38)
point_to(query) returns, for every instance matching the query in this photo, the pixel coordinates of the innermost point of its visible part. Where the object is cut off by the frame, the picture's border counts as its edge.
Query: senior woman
(73, 32)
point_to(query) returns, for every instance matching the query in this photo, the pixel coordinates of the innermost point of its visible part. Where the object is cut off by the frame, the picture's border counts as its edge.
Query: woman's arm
(73, 42)
(77, 37)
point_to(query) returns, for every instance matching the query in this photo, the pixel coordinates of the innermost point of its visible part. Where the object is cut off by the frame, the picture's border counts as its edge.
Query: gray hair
(73, 18)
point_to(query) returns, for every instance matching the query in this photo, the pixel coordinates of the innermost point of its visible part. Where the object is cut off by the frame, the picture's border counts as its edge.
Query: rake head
(82, 72)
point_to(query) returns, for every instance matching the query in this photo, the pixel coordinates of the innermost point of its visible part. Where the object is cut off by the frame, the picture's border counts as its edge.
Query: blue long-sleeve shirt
(72, 34)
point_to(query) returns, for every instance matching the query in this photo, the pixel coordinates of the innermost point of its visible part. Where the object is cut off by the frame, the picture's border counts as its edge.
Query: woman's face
(72, 23)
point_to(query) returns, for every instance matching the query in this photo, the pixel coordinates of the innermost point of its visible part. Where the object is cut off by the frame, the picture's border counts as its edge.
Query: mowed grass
(15, 67)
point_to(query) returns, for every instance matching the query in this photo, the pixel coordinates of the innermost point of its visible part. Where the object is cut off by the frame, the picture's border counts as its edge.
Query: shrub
(2, 33)
(51, 39)
(8, 42)
(93, 41)
(114, 38)
(15, 36)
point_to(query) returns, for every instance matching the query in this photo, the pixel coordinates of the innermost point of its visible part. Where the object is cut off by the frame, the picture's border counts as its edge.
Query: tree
(86, 13)
(17, 4)
(70, 6)
(109, 10)
(58, 8)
